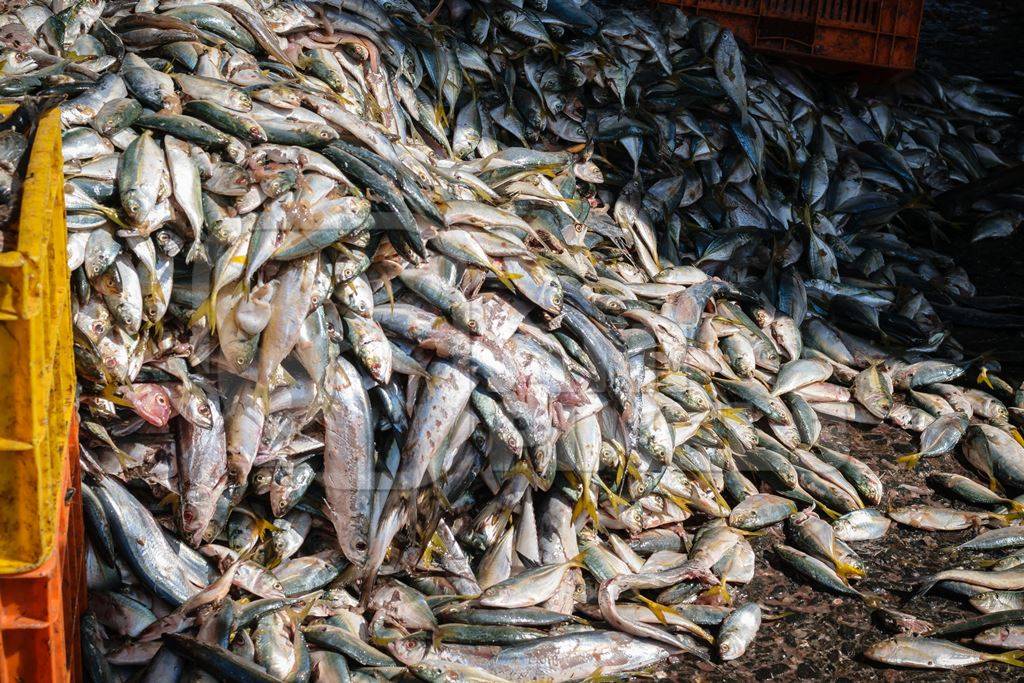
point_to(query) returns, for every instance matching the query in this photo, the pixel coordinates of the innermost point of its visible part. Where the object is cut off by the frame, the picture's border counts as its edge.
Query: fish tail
(112, 216)
(925, 587)
(718, 593)
(994, 485)
(909, 461)
(1013, 657)
(264, 527)
(262, 394)
(1009, 517)
(832, 514)
(871, 600)
(204, 310)
(847, 570)
(307, 606)
(585, 504)
(714, 491)
(505, 278)
(659, 610)
(616, 500)
(197, 251)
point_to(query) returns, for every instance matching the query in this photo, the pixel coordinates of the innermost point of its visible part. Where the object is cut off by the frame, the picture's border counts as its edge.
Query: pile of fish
(473, 341)
(17, 133)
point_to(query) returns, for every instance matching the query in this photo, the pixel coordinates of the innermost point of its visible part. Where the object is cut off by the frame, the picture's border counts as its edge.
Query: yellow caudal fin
(719, 593)
(1013, 657)
(204, 310)
(505, 278)
(615, 499)
(909, 461)
(845, 570)
(110, 393)
(585, 504)
(264, 527)
(1008, 517)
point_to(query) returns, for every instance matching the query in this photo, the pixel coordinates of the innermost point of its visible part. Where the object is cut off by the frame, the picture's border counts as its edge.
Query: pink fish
(151, 402)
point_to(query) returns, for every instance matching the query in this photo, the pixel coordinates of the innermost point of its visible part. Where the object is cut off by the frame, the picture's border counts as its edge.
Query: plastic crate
(873, 34)
(40, 609)
(37, 380)
(41, 551)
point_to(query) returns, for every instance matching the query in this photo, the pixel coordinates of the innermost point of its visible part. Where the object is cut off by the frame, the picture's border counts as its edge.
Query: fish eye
(160, 400)
(472, 325)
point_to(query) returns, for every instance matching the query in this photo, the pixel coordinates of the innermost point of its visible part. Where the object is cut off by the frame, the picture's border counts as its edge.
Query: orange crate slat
(41, 536)
(874, 34)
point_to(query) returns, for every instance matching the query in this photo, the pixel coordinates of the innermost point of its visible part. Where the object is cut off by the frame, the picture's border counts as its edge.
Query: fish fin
(680, 501)
(109, 392)
(983, 378)
(846, 570)
(170, 499)
(616, 500)
(197, 251)
(657, 609)
(994, 485)
(262, 394)
(718, 593)
(909, 461)
(112, 216)
(204, 310)
(506, 278)
(528, 562)
(585, 504)
(264, 527)
(924, 588)
(871, 600)
(577, 560)
(1013, 657)
(777, 617)
(308, 601)
(1009, 517)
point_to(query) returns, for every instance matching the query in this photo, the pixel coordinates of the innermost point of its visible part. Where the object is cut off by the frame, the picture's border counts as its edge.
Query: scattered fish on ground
(409, 336)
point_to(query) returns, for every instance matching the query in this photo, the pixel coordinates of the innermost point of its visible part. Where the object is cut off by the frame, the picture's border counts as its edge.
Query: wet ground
(822, 636)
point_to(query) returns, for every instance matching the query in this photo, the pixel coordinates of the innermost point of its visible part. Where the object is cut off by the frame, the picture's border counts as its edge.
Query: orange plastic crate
(40, 609)
(872, 34)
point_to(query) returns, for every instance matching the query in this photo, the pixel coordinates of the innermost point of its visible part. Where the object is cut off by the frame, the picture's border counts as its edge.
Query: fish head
(152, 402)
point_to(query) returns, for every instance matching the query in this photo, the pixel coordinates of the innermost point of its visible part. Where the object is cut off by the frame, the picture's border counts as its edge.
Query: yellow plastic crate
(37, 376)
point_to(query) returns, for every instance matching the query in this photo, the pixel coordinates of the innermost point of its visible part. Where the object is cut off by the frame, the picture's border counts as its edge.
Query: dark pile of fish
(473, 341)
(17, 131)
